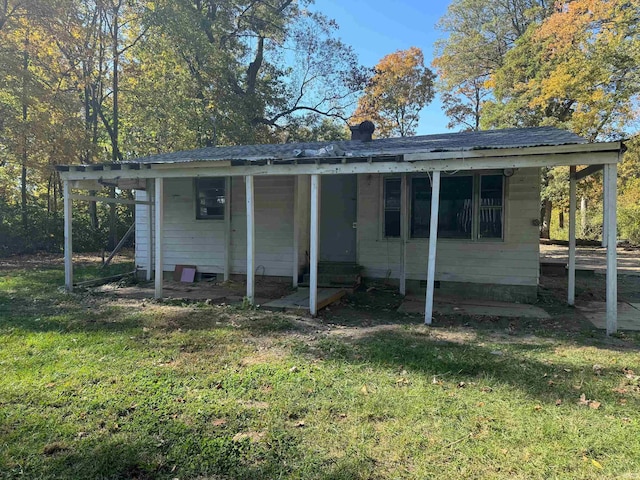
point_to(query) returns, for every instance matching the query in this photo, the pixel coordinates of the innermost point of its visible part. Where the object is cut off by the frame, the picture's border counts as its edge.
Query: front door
(338, 215)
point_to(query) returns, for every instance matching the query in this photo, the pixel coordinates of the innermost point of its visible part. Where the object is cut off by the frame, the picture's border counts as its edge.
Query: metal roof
(384, 147)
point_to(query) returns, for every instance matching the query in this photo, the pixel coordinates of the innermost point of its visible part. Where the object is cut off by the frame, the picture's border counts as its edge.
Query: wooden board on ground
(300, 299)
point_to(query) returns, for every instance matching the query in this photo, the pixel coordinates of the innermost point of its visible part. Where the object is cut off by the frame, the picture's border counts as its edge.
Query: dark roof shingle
(487, 139)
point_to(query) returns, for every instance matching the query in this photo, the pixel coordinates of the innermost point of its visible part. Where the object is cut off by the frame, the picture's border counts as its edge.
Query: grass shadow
(465, 363)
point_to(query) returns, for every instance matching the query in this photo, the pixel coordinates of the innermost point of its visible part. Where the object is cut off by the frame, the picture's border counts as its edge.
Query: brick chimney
(362, 132)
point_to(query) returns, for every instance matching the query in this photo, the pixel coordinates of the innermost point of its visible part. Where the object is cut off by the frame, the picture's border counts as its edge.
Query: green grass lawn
(93, 387)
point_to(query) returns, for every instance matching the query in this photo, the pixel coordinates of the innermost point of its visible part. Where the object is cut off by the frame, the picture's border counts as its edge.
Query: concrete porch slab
(487, 308)
(300, 299)
(628, 315)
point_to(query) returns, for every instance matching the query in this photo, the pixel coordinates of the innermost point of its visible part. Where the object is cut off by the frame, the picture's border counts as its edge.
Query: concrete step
(339, 268)
(330, 279)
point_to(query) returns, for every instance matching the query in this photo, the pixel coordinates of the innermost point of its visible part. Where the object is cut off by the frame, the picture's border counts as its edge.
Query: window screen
(455, 218)
(392, 200)
(210, 198)
(491, 194)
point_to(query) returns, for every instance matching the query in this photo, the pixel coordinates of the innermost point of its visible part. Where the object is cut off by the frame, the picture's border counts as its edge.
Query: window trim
(196, 205)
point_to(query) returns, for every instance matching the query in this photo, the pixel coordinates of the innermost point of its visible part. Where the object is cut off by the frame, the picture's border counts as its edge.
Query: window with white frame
(471, 207)
(210, 198)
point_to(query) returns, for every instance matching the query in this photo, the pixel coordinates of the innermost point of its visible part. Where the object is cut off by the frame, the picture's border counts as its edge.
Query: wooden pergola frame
(150, 176)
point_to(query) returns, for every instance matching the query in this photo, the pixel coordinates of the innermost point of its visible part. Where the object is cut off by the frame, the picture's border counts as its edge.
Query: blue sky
(375, 28)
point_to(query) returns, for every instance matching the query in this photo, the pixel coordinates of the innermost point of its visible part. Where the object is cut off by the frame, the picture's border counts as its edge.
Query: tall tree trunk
(547, 205)
(113, 219)
(90, 124)
(25, 154)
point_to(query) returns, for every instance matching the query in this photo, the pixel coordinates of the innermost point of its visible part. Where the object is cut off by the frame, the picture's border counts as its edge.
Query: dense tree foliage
(96, 81)
(571, 64)
(400, 87)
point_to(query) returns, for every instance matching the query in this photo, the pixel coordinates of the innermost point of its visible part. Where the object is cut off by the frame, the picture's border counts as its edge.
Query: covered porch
(399, 160)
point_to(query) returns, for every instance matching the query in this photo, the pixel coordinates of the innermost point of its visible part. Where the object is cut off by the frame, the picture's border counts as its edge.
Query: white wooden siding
(274, 226)
(513, 261)
(201, 242)
(142, 230)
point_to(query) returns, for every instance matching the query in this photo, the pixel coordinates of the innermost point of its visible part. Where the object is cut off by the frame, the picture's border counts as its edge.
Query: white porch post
(611, 192)
(296, 231)
(68, 239)
(571, 296)
(227, 228)
(159, 220)
(149, 207)
(251, 250)
(404, 223)
(605, 210)
(314, 250)
(433, 238)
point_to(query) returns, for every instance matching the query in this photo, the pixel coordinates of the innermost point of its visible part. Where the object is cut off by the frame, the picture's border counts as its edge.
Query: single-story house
(456, 211)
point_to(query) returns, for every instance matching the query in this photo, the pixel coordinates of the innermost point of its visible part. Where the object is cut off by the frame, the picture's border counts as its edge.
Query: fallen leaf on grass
(364, 390)
(597, 369)
(588, 403)
(558, 402)
(251, 436)
(218, 422)
(596, 464)
(300, 424)
(53, 448)
(537, 408)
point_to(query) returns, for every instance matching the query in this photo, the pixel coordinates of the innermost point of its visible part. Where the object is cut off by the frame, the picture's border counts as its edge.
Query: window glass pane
(392, 189)
(392, 194)
(210, 198)
(491, 199)
(420, 207)
(392, 223)
(456, 207)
